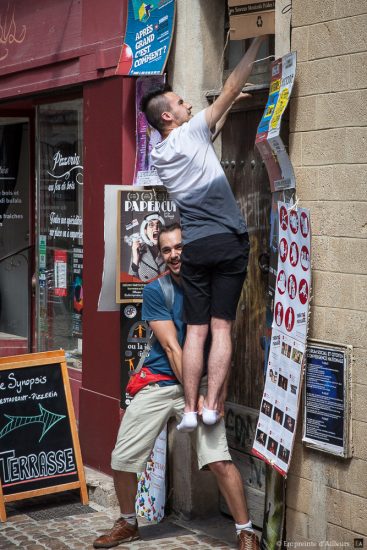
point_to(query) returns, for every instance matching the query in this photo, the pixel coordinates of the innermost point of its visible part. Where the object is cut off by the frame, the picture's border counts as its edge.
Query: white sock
(188, 422)
(210, 417)
(129, 518)
(244, 527)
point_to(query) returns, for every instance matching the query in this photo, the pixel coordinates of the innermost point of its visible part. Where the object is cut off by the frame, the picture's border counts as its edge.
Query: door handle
(263, 262)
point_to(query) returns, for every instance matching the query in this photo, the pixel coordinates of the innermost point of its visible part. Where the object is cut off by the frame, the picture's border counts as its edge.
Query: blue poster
(325, 406)
(148, 36)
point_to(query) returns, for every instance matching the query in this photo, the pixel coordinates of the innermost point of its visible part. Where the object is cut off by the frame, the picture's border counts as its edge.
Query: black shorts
(213, 272)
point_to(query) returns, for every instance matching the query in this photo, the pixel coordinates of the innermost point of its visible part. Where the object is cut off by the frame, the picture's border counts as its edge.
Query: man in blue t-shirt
(153, 405)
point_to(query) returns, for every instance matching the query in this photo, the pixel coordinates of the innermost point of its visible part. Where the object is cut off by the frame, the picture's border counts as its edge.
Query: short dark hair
(154, 103)
(167, 229)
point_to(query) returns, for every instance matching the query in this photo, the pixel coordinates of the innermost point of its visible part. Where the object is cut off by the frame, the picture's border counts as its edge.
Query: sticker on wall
(148, 37)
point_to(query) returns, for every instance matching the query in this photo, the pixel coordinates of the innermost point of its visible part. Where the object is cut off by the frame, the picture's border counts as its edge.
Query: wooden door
(249, 181)
(250, 184)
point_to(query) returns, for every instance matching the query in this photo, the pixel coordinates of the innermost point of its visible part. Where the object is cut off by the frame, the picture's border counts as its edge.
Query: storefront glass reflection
(60, 229)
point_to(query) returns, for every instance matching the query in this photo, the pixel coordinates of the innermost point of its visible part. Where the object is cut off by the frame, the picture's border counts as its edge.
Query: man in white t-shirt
(216, 245)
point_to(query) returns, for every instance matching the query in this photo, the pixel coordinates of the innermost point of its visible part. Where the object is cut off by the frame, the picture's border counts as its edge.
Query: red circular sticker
(279, 312)
(289, 319)
(303, 291)
(293, 221)
(305, 258)
(293, 254)
(283, 249)
(292, 287)
(281, 282)
(305, 226)
(283, 218)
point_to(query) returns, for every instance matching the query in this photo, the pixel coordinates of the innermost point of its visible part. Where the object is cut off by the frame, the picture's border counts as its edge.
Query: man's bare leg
(126, 487)
(192, 368)
(231, 486)
(125, 529)
(219, 361)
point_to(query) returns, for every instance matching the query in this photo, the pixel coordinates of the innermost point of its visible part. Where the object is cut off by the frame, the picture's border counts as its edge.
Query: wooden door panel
(249, 181)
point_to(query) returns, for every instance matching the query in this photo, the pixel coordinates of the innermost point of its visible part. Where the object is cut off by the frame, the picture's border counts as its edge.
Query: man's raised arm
(233, 84)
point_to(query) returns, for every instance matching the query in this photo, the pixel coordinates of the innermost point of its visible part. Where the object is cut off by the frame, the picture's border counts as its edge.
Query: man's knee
(197, 332)
(217, 324)
(221, 468)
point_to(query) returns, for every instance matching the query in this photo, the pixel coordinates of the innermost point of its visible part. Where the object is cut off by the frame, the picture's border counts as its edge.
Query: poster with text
(293, 280)
(135, 335)
(326, 418)
(14, 189)
(148, 37)
(277, 421)
(142, 213)
(268, 140)
(146, 136)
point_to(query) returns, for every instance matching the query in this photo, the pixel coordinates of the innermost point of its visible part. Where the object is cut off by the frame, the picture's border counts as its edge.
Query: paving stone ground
(24, 529)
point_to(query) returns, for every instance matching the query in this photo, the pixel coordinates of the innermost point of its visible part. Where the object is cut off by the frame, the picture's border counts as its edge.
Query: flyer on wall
(141, 214)
(146, 136)
(277, 421)
(268, 140)
(326, 418)
(148, 37)
(294, 272)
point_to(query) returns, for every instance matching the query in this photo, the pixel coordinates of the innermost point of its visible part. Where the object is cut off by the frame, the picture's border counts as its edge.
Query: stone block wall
(327, 497)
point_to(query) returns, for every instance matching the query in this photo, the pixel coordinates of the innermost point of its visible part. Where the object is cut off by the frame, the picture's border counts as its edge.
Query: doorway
(16, 240)
(248, 178)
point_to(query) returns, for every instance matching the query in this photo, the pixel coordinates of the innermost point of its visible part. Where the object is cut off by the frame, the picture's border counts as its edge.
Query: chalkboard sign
(39, 446)
(326, 419)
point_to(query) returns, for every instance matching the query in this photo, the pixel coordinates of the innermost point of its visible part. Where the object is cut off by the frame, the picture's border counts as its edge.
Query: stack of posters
(268, 140)
(279, 407)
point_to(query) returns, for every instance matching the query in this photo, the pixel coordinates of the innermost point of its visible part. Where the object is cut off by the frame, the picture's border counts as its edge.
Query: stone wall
(327, 497)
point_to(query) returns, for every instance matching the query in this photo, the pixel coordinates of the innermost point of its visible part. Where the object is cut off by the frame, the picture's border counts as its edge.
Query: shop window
(60, 229)
(15, 237)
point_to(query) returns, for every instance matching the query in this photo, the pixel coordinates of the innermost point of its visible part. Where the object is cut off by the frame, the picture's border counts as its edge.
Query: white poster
(151, 495)
(294, 272)
(107, 296)
(276, 425)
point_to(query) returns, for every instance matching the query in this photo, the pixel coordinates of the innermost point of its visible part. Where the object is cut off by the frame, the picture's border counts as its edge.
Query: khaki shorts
(145, 418)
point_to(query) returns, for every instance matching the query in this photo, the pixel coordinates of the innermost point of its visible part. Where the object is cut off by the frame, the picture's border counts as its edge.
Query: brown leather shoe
(120, 532)
(248, 541)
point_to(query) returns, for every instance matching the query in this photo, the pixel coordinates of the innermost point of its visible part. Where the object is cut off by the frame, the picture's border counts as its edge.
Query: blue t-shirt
(155, 309)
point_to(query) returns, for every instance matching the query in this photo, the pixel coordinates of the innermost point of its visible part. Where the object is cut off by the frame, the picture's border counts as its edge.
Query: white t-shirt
(190, 170)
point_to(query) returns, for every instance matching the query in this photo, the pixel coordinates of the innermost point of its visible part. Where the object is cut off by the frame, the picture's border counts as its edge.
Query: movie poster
(148, 37)
(146, 136)
(142, 213)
